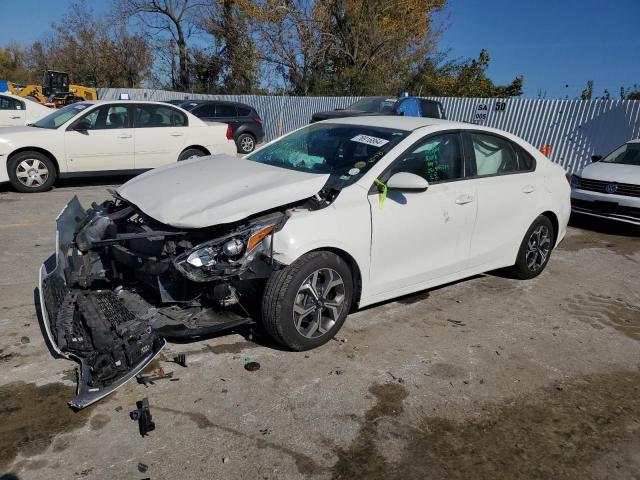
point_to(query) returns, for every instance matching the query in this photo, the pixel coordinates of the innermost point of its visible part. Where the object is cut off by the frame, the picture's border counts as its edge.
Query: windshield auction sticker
(366, 139)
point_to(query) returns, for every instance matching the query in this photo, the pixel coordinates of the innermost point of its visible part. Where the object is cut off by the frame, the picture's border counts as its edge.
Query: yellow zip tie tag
(382, 196)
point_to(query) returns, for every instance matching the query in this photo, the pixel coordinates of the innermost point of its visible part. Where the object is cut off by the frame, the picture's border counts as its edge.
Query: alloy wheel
(538, 248)
(319, 303)
(32, 172)
(246, 143)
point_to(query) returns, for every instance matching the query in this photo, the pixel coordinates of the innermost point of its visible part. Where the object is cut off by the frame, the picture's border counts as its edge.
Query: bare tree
(168, 16)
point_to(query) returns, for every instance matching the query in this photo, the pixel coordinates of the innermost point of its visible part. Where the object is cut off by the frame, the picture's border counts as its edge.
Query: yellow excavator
(55, 90)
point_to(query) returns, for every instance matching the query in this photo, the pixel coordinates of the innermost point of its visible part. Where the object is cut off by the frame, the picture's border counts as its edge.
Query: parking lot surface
(485, 378)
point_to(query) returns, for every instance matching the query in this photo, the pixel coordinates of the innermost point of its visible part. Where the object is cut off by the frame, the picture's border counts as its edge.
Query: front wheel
(31, 172)
(305, 304)
(535, 249)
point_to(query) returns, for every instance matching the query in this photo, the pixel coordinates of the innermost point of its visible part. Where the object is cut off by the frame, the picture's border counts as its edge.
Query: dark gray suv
(243, 119)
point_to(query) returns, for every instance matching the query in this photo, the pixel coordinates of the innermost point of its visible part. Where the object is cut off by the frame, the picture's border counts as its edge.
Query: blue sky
(552, 43)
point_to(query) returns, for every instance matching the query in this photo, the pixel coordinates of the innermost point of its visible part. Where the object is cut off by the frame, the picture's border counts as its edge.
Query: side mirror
(596, 158)
(81, 126)
(407, 182)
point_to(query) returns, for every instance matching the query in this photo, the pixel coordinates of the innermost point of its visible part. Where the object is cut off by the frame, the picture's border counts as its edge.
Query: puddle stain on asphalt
(618, 244)
(596, 309)
(305, 464)
(363, 459)
(31, 416)
(557, 435)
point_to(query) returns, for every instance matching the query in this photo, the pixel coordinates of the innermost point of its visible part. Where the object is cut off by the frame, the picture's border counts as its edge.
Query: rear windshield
(627, 154)
(346, 152)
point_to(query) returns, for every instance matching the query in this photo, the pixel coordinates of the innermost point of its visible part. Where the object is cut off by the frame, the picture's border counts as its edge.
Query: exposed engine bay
(123, 282)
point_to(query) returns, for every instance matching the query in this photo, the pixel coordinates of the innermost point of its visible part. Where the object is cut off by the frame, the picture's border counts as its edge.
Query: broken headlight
(224, 256)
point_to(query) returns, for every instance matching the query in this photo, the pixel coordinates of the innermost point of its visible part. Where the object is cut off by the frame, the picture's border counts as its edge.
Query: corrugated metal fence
(575, 129)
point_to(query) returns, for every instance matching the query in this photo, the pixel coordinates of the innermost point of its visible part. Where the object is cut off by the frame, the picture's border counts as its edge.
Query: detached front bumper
(59, 316)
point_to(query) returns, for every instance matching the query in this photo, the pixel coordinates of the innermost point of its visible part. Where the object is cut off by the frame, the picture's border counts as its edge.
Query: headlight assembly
(225, 256)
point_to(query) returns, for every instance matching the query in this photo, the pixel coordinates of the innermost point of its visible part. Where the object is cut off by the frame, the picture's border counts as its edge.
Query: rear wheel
(306, 303)
(31, 172)
(535, 249)
(190, 153)
(246, 143)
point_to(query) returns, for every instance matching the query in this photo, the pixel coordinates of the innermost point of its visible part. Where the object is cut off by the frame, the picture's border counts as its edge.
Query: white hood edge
(218, 189)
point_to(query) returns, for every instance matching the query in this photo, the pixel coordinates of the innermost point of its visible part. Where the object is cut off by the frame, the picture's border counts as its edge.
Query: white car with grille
(610, 186)
(335, 216)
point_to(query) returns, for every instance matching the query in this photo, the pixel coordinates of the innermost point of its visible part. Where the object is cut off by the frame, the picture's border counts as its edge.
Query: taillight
(229, 133)
(568, 177)
(257, 119)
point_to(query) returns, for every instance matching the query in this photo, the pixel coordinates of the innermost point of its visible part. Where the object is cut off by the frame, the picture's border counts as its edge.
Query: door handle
(15, 117)
(176, 134)
(125, 135)
(463, 199)
(528, 189)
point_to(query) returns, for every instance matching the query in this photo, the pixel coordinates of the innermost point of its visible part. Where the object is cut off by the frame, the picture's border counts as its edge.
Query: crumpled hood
(216, 189)
(612, 172)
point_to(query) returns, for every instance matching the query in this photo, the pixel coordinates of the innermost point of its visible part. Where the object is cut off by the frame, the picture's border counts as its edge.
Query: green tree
(587, 93)
(461, 79)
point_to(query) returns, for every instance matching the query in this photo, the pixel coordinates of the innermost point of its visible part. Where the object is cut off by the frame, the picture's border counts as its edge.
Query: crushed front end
(122, 283)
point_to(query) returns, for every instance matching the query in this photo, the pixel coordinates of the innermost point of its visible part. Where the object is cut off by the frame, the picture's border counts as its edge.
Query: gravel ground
(485, 378)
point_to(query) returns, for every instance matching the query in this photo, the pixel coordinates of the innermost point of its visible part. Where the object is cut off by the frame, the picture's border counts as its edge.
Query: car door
(421, 236)
(509, 195)
(161, 132)
(101, 140)
(12, 112)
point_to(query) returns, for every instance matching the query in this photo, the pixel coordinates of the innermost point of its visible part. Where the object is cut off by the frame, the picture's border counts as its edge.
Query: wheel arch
(355, 271)
(196, 147)
(35, 149)
(553, 218)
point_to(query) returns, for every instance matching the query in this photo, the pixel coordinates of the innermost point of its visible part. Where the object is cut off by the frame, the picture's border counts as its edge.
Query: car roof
(221, 102)
(398, 122)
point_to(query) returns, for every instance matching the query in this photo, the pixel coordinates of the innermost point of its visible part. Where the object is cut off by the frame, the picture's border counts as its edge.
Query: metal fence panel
(575, 129)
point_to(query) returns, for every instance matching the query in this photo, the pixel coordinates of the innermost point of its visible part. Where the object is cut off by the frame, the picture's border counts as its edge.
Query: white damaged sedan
(332, 217)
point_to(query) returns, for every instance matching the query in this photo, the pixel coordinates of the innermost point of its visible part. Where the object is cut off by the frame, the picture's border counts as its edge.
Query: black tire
(246, 143)
(530, 264)
(190, 153)
(283, 290)
(18, 168)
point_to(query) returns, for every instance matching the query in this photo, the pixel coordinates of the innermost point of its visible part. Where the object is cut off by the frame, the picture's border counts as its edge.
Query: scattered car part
(181, 359)
(159, 374)
(142, 415)
(252, 366)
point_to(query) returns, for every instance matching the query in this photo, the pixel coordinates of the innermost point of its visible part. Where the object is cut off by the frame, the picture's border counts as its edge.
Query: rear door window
(156, 116)
(225, 111)
(244, 112)
(207, 110)
(495, 155)
(7, 103)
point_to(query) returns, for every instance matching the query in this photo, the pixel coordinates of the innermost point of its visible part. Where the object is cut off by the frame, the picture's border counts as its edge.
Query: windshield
(346, 152)
(374, 105)
(61, 116)
(627, 154)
